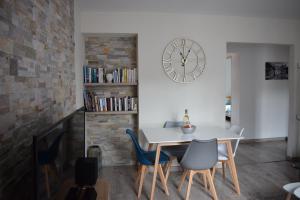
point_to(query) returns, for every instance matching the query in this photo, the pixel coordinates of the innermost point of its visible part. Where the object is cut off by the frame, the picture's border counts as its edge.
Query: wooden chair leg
(138, 175)
(52, 169)
(168, 169)
(223, 169)
(211, 185)
(163, 180)
(45, 168)
(188, 190)
(182, 179)
(289, 196)
(204, 180)
(143, 170)
(213, 172)
(168, 163)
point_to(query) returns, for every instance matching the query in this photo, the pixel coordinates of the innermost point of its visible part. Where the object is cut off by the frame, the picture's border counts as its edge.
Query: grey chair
(173, 151)
(200, 157)
(172, 124)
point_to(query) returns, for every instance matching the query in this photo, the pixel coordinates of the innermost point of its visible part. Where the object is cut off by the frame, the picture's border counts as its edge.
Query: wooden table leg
(232, 167)
(155, 171)
(163, 179)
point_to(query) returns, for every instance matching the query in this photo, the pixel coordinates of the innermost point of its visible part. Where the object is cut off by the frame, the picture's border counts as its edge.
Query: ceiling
(287, 9)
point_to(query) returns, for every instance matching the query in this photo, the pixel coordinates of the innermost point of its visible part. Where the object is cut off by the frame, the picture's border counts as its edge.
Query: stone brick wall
(108, 131)
(111, 50)
(37, 85)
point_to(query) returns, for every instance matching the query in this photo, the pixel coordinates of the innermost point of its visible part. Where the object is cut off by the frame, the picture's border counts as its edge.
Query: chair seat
(150, 155)
(175, 151)
(290, 187)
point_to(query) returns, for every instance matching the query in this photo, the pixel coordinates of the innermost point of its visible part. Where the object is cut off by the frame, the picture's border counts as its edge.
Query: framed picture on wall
(276, 71)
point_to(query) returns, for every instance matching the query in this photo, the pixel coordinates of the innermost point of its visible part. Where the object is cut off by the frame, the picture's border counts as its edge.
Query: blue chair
(47, 157)
(146, 159)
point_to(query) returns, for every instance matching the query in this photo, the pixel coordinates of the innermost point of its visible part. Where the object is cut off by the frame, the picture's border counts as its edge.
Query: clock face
(183, 60)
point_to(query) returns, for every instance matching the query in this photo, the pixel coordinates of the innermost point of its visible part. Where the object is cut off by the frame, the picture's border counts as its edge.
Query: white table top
(170, 135)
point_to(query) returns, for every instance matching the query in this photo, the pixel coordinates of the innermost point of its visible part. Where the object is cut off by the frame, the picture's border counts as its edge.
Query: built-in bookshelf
(110, 80)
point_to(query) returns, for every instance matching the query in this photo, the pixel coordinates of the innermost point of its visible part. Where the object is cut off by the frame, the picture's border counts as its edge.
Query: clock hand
(182, 59)
(184, 76)
(181, 54)
(188, 52)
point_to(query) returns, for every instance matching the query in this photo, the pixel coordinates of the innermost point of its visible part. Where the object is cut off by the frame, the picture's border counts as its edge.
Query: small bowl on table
(188, 130)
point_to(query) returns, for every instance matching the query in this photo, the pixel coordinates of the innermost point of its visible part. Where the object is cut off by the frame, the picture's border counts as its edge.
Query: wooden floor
(262, 170)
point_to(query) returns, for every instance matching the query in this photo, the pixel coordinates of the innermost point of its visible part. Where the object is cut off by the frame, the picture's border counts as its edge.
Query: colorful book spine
(100, 75)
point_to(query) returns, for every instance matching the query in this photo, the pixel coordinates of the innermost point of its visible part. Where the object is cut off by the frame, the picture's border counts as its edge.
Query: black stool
(86, 175)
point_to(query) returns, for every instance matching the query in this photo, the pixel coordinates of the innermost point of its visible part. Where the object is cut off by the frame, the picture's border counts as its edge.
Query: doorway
(254, 100)
(228, 84)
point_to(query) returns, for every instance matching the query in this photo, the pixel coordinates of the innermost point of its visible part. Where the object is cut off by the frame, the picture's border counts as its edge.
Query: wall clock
(183, 60)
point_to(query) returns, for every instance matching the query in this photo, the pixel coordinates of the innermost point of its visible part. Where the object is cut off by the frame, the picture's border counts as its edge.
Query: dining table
(160, 137)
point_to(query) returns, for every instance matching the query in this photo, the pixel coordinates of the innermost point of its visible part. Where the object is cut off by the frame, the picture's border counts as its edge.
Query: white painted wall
(228, 77)
(264, 104)
(160, 98)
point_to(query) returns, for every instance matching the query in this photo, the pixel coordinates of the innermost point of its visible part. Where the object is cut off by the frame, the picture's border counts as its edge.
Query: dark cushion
(86, 171)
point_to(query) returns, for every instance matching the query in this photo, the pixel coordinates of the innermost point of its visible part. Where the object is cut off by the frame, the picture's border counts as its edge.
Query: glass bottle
(186, 119)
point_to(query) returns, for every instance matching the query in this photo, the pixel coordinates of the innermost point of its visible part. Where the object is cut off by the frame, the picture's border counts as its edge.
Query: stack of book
(94, 103)
(124, 75)
(93, 74)
(120, 75)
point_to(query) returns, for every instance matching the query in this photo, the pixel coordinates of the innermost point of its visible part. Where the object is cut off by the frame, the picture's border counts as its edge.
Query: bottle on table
(186, 119)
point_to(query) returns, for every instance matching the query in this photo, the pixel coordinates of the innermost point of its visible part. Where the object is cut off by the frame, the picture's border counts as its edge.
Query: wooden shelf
(114, 113)
(109, 84)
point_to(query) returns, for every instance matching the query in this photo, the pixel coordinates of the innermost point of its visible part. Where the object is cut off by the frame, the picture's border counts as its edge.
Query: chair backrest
(200, 155)
(173, 124)
(138, 150)
(55, 147)
(236, 129)
(239, 131)
(50, 154)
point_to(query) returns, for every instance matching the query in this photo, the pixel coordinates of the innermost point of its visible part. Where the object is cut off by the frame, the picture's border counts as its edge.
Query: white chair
(222, 149)
(297, 193)
(292, 188)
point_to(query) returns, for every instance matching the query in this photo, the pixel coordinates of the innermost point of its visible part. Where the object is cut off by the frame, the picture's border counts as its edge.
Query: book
(100, 75)
(120, 105)
(90, 74)
(111, 104)
(125, 103)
